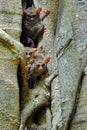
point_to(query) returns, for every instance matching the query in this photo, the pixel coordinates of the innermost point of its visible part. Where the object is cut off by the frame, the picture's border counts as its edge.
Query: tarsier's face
(31, 14)
(30, 54)
(41, 67)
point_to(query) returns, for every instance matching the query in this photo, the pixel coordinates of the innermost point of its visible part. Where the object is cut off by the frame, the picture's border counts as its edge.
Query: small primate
(30, 56)
(36, 65)
(32, 25)
(39, 69)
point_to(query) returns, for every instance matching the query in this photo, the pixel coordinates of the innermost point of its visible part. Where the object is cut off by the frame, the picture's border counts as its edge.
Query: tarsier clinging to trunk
(30, 56)
(32, 25)
(36, 65)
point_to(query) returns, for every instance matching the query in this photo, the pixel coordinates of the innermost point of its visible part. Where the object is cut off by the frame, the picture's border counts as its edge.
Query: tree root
(18, 49)
(11, 43)
(49, 80)
(38, 97)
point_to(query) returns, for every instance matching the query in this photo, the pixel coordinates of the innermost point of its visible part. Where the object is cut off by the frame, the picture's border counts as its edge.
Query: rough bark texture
(48, 44)
(72, 57)
(12, 55)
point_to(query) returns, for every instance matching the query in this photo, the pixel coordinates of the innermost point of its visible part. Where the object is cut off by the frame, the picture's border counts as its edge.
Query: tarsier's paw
(44, 29)
(46, 12)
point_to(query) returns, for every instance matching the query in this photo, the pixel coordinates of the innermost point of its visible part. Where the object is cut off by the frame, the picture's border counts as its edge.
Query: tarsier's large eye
(31, 16)
(43, 65)
(30, 53)
(38, 65)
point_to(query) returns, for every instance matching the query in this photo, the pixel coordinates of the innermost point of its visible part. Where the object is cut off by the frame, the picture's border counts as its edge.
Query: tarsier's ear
(47, 60)
(35, 50)
(38, 10)
(24, 12)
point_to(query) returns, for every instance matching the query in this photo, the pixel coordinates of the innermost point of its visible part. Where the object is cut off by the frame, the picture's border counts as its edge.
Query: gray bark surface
(72, 58)
(12, 55)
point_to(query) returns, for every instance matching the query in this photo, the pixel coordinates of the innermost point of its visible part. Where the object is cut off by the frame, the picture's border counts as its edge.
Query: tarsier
(30, 56)
(33, 55)
(36, 65)
(33, 28)
(38, 70)
(39, 67)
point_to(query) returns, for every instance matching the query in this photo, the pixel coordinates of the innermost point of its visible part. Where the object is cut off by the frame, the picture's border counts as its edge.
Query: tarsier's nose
(32, 18)
(28, 56)
(40, 69)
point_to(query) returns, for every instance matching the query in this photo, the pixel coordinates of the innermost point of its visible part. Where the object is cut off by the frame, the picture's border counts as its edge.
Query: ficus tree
(64, 41)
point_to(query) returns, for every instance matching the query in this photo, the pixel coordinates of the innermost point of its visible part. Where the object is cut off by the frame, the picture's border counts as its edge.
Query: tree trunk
(71, 57)
(43, 114)
(48, 44)
(12, 55)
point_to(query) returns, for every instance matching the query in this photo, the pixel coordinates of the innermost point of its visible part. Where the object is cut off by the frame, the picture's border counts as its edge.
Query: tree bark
(48, 45)
(72, 58)
(12, 55)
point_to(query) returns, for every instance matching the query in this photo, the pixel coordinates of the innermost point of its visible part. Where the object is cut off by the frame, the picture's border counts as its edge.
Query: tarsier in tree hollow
(30, 56)
(36, 65)
(33, 28)
(39, 69)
